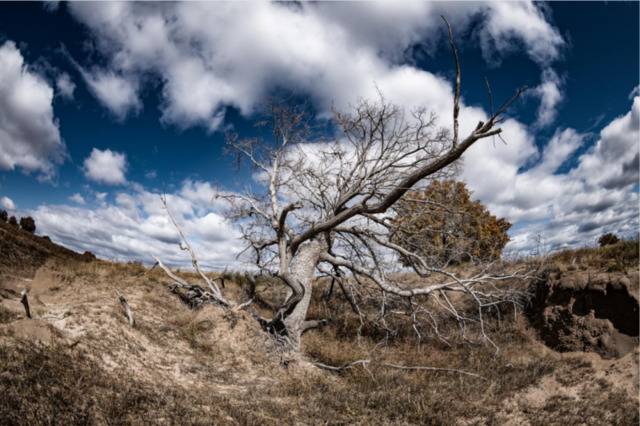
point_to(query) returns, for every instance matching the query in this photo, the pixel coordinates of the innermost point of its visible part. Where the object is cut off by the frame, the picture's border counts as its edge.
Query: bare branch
(194, 260)
(243, 305)
(169, 272)
(456, 99)
(184, 284)
(366, 362)
(311, 324)
(489, 95)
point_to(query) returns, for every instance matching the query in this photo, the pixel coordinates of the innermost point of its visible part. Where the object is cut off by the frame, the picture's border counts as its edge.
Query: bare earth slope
(587, 311)
(79, 362)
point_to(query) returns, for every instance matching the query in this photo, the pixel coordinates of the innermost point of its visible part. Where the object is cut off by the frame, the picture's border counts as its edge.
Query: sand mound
(75, 305)
(30, 330)
(587, 312)
(584, 389)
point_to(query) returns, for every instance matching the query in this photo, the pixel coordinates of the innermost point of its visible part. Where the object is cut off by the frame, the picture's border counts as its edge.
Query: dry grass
(603, 405)
(178, 366)
(6, 315)
(57, 385)
(617, 257)
(426, 397)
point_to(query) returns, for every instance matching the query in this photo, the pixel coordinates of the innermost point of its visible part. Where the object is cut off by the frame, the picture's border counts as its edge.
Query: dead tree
(327, 204)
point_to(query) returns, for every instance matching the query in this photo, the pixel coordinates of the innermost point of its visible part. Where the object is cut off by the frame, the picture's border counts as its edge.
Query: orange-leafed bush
(444, 225)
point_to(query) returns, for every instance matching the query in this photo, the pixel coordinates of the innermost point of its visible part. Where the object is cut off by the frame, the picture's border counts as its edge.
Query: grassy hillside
(23, 253)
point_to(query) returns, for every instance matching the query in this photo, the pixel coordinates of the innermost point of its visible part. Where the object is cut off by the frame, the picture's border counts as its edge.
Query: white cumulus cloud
(205, 57)
(137, 227)
(613, 161)
(567, 209)
(7, 203)
(524, 21)
(550, 93)
(117, 93)
(77, 198)
(209, 56)
(108, 167)
(29, 133)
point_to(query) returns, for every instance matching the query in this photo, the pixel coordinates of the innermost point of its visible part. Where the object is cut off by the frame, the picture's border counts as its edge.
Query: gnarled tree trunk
(302, 270)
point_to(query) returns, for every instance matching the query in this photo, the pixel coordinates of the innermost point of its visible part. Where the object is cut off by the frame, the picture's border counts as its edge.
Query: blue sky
(120, 102)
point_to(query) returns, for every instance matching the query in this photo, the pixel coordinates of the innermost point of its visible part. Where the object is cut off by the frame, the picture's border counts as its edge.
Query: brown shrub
(608, 239)
(28, 224)
(87, 256)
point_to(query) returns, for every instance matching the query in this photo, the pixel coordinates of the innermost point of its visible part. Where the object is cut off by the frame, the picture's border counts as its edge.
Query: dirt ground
(78, 361)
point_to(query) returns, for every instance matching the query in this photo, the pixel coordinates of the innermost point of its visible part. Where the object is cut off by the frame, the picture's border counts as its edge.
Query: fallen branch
(427, 368)
(215, 290)
(25, 301)
(366, 362)
(311, 324)
(126, 307)
(169, 272)
(362, 362)
(242, 305)
(197, 291)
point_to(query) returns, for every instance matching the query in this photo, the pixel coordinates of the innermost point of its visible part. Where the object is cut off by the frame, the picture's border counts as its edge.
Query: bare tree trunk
(302, 269)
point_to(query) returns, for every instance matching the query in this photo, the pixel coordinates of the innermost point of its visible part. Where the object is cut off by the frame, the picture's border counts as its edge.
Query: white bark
(303, 270)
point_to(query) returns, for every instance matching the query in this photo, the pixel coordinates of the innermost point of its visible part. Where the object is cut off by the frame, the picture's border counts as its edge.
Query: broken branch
(25, 301)
(127, 309)
(194, 260)
(365, 362)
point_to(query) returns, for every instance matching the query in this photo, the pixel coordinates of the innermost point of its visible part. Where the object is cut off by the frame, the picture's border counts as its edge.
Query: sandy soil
(74, 304)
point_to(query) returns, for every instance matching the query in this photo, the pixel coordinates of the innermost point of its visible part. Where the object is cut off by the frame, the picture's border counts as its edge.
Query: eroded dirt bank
(587, 311)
